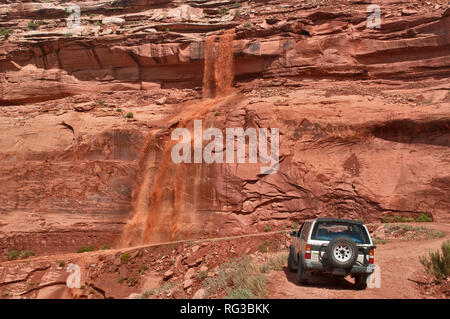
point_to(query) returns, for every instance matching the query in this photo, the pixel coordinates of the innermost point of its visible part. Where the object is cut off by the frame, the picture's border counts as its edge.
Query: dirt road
(399, 263)
(398, 260)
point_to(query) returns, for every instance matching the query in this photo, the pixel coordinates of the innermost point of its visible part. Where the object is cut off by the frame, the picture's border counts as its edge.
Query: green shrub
(33, 25)
(400, 219)
(278, 262)
(163, 288)
(61, 263)
(223, 11)
(202, 275)
(105, 247)
(13, 254)
(267, 228)
(240, 293)
(408, 232)
(438, 264)
(147, 294)
(27, 253)
(130, 115)
(432, 233)
(396, 219)
(250, 280)
(248, 25)
(386, 219)
(242, 278)
(5, 32)
(132, 281)
(424, 218)
(84, 249)
(121, 280)
(294, 225)
(264, 247)
(143, 269)
(124, 258)
(264, 268)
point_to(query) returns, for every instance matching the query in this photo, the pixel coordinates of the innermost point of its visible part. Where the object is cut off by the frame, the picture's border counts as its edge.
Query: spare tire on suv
(341, 252)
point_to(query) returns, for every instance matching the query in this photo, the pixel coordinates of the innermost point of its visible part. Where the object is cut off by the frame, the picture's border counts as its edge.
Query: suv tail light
(371, 255)
(308, 252)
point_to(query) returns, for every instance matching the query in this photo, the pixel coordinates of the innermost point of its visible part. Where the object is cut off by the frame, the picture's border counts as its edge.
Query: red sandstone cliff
(363, 115)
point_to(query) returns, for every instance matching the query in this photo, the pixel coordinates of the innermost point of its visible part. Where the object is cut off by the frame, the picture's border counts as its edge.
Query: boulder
(84, 107)
(187, 283)
(168, 274)
(199, 294)
(409, 12)
(185, 13)
(189, 273)
(161, 101)
(113, 20)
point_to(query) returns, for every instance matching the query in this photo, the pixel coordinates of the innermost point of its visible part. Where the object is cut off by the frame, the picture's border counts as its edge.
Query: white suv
(335, 246)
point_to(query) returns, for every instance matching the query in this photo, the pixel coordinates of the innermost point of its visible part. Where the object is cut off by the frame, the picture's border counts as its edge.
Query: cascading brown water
(165, 200)
(218, 70)
(208, 70)
(223, 72)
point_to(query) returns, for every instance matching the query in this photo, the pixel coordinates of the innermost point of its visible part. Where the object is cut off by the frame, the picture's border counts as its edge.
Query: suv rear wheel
(361, 282)
(292, 265)
(302, 277)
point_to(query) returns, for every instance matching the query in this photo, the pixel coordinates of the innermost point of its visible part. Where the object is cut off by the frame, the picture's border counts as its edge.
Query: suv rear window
(331, 230)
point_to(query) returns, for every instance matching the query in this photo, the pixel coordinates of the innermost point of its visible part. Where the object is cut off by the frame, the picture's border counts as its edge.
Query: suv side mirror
(294, 233)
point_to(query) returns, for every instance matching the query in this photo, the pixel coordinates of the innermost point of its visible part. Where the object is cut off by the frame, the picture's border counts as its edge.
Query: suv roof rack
(329, 219)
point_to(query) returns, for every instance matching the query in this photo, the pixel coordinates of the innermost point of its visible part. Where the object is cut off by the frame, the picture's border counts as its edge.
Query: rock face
(311, 43)
(363, 114)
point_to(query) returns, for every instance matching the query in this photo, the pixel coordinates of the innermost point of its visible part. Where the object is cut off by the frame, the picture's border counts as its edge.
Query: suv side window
(300, 230)
(305, 229)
